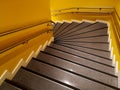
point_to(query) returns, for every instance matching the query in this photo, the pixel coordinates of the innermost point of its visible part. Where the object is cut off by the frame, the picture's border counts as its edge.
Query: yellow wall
(118, 7)
(21, 13)
(61, 4)
(18, 13)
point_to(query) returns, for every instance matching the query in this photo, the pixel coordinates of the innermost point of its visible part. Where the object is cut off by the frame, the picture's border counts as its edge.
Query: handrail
(82, 10)
(78, 9)
(119, 20)
(22, 28)
(26, 40)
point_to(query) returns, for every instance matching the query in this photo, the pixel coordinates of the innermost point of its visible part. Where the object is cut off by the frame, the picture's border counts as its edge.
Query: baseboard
(3, 76)
(37, 52)
(21, 62)
(32, 54)
(50, 41)
(44, 46)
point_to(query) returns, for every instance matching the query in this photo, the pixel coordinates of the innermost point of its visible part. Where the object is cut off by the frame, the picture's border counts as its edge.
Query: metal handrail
(26, 40)
(78, 8)
(119, 20)
(22, 28)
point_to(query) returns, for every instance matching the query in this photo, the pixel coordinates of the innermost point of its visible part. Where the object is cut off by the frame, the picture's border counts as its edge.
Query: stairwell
(78, 59)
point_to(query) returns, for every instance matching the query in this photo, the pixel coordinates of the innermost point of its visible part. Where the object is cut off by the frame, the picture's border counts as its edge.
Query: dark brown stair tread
(7, 86)
(90, 27)
(80, 60)
(57, 25)
(65, 77)
(100, 39)
(89, 50)
(36, 82)
(93, 26)
(71, 26)
(64, 25)
(99, 46)
(78, 69)
(97, 32)
(80, 26)
(81, 53)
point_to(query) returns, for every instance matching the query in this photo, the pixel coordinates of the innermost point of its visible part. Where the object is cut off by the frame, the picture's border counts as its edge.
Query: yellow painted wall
(18, 13)
(117, 7)
(62, 4)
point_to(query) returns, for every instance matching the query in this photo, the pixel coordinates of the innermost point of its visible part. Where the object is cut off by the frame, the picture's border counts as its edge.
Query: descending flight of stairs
(78, 59)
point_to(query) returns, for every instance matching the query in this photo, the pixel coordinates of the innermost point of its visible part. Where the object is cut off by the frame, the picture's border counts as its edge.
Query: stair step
(7, 86)
(90, 27)
(99, 53)
(65, 77)
(97, 46)
(71, 26)
(97, 76)
(81, 60)
(78, 27)
(81, 54)
(56, 27)
(98, 39)
(99, 32)
(64, 25)
(36, 82)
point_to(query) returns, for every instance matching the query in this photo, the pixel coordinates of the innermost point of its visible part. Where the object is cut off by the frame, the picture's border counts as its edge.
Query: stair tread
(97, 32)
(98, 46)
(35, 82)
(95, 52)
(66, 77)
(7, 86)
(81, 53)
(80, 26)
(71, 26)
(100, 39)
(56, 27)
(87, 28)
(80, 60)
(78, 69)
(63, 26)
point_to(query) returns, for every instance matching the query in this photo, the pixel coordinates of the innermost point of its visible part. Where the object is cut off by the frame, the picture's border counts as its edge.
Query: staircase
(78, 59)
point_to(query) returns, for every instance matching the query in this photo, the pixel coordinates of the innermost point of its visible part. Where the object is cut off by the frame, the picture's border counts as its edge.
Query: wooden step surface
(87, 72)
(81, 54)
(36, 82)
(66, 77)
(7, 86)
(99, 53)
